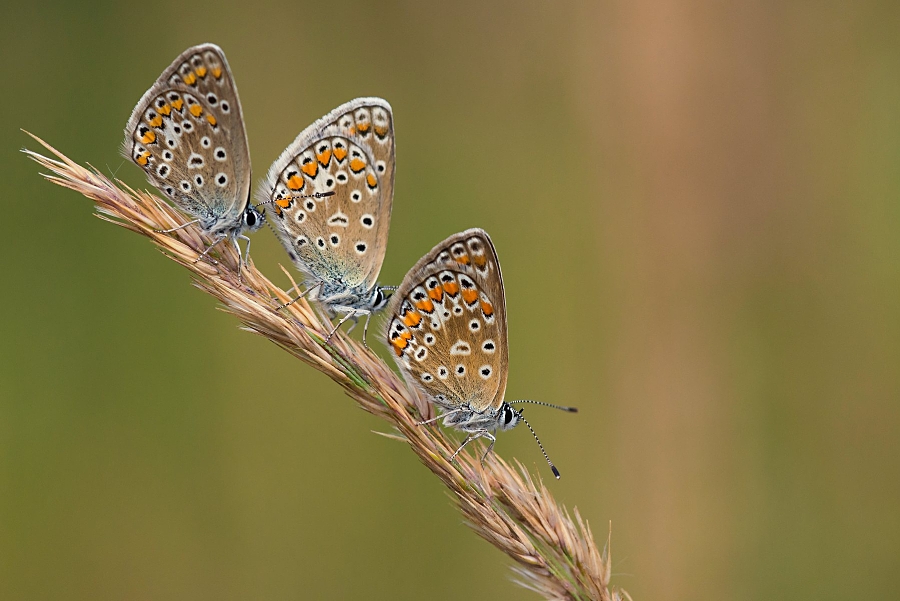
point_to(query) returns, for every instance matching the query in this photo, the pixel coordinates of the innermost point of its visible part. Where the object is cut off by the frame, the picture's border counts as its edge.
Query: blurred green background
(697, 208)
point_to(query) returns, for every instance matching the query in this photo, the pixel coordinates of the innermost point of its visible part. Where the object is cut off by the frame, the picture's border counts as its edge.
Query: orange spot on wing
(451, 288)
(211, 119)
(340, 153)
(436, 293)
(324, 158)
(400, 343)
(464, 259)
(196, 110)
(470, 296)
(487, 309)
(296, 182)
(310, 169)
(362, 127)
(201, 71)
(381, 131)
(177, 104)
(283, 202)
(190, 79)
(149, 137)
(370, 179)
(357, 165)
(165, 110)
(425, 305)
(217, 72)
(480, 260)
(412, 319)
(156, 121)
(142, 158)
(352, 130)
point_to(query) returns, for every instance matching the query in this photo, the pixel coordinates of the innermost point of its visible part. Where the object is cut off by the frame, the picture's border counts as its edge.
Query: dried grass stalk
(555, 552)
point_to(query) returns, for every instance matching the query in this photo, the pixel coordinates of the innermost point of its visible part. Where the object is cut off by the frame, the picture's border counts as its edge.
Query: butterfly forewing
(349, 153)
(447, 323)
(187, 134)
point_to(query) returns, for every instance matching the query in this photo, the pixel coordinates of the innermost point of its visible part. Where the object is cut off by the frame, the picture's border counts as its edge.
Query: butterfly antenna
(547, 457)
(317, 196)
(269, 224)
(569, 409)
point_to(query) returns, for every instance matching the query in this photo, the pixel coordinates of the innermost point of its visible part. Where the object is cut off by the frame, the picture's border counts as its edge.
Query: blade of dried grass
(556, 555)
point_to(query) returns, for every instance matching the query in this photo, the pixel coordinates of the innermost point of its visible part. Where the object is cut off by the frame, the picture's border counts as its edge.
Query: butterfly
(331, 192)
(447, 330)
(187, 134)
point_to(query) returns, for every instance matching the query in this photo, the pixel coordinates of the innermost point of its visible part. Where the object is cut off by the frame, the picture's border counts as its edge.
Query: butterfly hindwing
(349, 154)
(447, 324)
(187, 134)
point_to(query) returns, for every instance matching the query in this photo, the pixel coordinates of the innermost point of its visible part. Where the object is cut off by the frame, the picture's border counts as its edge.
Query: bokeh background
(697, 207)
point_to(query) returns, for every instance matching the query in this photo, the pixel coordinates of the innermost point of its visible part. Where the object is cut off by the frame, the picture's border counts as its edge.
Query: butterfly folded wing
(187, 134)
(349, 154)
(447, 323)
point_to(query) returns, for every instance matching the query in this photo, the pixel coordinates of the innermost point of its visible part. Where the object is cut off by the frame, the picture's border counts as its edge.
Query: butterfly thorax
(467, 419)
(251, 220)
(340, 297)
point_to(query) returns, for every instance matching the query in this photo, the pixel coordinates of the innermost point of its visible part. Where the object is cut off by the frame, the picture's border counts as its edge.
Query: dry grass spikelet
(554, 550)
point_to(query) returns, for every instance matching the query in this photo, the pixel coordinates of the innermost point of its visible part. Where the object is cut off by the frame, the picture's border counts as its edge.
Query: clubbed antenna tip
(555, 471)
(561, 407)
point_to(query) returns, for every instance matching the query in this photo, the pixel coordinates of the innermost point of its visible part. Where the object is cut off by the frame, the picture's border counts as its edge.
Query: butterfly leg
(175, 229)
(354, 324)
(434, 419)
(490, 448)
(242, 259)
(366, 329)
(302, 294)
(351, 313)
(205, 253)
(469, 438)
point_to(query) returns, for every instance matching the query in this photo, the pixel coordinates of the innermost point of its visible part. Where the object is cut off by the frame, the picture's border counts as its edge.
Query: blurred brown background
(697, 207)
